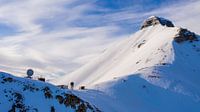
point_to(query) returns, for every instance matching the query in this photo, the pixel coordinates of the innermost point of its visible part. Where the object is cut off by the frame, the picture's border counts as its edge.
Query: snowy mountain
(154, 70)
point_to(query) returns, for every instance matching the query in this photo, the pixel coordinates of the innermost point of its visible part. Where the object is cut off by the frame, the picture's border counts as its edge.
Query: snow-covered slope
(126, 57)
(154, 70)
(148, 47)
(25, 95)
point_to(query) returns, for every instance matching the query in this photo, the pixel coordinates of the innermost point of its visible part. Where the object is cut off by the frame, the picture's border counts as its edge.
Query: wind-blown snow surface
(148, 72)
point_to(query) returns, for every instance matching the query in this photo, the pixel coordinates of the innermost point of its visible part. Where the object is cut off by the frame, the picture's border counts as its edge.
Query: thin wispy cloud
(56, 37)
(47, 40)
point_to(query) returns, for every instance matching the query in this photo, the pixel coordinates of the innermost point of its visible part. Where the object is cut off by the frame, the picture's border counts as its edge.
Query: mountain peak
(154, 20)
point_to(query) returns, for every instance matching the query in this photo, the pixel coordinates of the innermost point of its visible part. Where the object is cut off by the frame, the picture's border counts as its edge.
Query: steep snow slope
(152, 46)
(143, 49)
(155, 70)
(25, 95)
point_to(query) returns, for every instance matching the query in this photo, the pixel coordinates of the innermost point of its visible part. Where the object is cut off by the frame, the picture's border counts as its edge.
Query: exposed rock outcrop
(185, 35)
(154, 20)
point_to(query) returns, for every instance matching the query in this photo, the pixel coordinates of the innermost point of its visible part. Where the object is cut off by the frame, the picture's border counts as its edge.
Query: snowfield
(154, 70)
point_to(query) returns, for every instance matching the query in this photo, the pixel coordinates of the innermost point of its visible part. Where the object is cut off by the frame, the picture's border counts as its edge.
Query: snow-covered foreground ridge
(26, 95)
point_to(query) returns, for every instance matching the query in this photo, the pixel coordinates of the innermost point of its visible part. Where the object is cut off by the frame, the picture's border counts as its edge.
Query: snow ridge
(25, 95)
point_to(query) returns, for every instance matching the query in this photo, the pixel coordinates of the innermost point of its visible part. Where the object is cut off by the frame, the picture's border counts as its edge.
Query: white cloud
(49, 52)
(53, 53)
(25, 14)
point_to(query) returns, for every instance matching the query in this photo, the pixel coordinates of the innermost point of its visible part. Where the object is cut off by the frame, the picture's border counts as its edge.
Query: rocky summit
(154, 20)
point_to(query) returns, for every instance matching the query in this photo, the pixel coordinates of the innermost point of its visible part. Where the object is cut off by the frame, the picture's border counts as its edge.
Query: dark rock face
(185, 35)
(153, 20)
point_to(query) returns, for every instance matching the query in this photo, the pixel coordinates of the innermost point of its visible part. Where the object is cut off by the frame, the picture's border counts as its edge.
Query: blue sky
(58, 36)
(97, 12)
